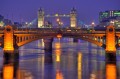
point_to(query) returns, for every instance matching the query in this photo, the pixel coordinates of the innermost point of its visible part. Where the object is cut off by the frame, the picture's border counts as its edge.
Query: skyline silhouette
(87, 10)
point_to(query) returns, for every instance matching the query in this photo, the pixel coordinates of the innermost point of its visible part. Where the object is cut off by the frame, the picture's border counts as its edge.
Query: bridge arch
(97, 40)
(16, 38)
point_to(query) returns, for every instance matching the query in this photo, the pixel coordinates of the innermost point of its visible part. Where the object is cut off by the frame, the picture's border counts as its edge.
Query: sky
(26, 10)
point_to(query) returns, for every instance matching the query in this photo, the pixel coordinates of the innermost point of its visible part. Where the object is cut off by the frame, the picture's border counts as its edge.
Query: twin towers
(72, 16)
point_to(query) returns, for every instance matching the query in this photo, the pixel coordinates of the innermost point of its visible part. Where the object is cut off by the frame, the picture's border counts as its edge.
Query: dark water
(68, 60)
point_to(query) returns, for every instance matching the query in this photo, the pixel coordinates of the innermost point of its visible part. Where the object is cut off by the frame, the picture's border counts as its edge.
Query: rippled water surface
(68, 60)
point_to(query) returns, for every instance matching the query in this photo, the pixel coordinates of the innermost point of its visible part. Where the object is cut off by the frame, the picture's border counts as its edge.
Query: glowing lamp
(59, 36)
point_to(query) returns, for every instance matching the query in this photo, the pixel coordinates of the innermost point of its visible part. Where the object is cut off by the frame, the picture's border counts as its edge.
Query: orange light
(59, 75)
(110, 40)
(58, 51)
(57, 45)
(8, 39)
(59, 35)
(110, 71)
(8, 72)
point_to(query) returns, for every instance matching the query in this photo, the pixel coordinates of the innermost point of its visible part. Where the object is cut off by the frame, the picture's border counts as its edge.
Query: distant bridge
(14, 38)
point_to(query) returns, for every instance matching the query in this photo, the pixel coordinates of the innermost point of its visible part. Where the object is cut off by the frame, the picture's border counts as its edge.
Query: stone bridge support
(48, 44)
(75, 40)
(8, 39)
(110, 44)
(10, 50)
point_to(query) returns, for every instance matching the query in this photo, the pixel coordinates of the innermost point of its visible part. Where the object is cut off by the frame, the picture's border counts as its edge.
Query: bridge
(10, 38)
(72, 15)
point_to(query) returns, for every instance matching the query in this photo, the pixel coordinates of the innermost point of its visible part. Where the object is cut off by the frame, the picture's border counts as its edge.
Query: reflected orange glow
(59, 75)
(79, 65)
(58, 56)
(59, 35)
(110, 71)
(58, 52)
(18, 74)
(57, 45)
(8, 72)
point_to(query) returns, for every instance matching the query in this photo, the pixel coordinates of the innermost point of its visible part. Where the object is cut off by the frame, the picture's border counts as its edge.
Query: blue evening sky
(88, 10)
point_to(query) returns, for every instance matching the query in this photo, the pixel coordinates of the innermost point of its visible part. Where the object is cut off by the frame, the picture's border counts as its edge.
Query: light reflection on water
(68, 60)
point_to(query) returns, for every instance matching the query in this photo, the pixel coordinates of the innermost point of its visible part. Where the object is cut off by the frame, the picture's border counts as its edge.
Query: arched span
(26, 41)
(95, 39)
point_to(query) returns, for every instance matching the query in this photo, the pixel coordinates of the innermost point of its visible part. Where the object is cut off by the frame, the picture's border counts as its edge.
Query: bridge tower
(8, 39)
(110, 39)
(40, 18)
(73, 19)
(110, 43)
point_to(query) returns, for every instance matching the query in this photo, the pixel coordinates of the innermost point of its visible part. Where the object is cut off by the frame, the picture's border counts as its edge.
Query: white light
(26, 23)
(30, 23)
(112, 22)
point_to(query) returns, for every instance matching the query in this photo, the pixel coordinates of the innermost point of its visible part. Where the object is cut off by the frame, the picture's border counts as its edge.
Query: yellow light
(58, 58)
(56, 15)
(8, 72)
(79, 66)
(58, 52)
(95, 38)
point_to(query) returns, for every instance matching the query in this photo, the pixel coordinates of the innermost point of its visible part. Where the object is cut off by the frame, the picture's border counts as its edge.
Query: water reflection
(61, 63)
(111, 70)
(57, 51)
(79, 65)
(10, 68)
(8, 71)
(59, 74)
(10, 65)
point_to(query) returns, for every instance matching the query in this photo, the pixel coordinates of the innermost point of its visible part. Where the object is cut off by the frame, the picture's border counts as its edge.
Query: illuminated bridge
(10, 38)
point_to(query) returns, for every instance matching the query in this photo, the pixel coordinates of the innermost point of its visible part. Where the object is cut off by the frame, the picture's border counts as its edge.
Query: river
(67, 60)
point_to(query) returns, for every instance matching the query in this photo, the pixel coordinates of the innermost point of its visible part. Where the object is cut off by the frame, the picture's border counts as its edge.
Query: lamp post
(59, 22)
(92, 24)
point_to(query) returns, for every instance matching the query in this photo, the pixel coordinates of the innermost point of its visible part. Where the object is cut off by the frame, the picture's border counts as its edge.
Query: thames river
(67, 60)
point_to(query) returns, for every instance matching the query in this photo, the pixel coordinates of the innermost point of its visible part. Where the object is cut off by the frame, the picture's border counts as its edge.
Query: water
(68, 60)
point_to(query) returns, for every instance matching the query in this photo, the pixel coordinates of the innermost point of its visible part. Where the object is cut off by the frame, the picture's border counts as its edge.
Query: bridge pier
(75, 40)
(11, 55)
(8, 39)
(48, 44)
(10, 65)
(9, 44)
(110, 57)
(110, 44)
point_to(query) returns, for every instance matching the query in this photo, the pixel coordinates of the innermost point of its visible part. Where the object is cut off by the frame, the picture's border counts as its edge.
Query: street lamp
(93, 24)
(58, 21)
